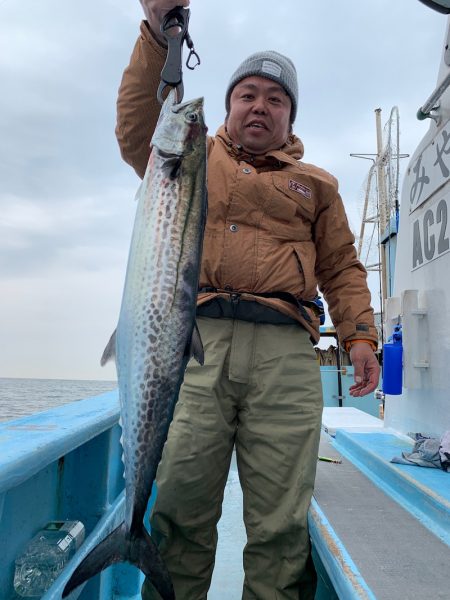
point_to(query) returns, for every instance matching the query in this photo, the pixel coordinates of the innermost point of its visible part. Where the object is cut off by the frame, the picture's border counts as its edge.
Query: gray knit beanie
(272, 65)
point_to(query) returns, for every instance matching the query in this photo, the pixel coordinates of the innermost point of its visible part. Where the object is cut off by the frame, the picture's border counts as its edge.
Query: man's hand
(156, 10)
(367, 369)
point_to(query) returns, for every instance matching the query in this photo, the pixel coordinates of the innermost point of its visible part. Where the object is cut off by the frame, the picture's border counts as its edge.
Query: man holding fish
(276, 231)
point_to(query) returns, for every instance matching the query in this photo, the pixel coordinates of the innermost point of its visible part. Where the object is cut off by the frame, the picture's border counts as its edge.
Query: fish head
(180, 128)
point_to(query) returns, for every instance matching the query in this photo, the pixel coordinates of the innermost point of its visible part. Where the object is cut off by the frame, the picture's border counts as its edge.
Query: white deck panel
(334, 418)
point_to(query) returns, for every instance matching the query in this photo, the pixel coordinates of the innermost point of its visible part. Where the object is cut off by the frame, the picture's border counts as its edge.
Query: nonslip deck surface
(396, 555)
(228, 575)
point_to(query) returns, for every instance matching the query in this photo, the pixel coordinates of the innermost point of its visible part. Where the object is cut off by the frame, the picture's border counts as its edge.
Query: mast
(382, 199)
(383, 208)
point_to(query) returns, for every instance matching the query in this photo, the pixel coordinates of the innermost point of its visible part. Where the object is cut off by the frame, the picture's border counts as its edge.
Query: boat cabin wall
(421, 299)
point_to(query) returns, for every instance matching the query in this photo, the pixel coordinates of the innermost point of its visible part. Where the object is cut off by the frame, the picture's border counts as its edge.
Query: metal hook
(193, 54)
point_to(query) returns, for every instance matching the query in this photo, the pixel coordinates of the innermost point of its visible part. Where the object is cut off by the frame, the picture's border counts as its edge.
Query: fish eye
(192, 117)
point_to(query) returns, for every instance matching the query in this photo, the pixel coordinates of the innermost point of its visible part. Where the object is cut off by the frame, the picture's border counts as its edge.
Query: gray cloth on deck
(427, 452)
(444, 451)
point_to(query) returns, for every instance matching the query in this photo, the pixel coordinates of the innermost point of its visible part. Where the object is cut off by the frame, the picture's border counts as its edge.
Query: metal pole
(382, 206)
(380, 169)
(339, 375)
(433, 101)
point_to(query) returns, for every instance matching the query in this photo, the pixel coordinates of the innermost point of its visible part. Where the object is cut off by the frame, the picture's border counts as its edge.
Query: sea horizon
(25, 396)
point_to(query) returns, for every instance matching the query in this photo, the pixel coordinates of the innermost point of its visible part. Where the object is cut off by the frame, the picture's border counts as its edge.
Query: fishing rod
(174, 28)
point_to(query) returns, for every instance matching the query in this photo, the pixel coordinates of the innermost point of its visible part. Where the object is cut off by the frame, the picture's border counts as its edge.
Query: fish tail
(138, 549)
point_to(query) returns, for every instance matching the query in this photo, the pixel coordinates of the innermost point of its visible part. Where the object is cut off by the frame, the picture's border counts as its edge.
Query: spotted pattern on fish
(158, 305)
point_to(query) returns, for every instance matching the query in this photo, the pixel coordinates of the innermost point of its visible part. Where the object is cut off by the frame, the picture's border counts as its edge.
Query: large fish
(156, 333)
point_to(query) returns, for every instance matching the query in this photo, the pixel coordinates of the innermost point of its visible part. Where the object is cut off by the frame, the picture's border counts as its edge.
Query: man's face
(259, 117)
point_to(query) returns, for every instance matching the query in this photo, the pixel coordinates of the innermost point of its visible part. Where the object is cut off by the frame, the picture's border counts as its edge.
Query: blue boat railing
(65, 463)
(60, 464)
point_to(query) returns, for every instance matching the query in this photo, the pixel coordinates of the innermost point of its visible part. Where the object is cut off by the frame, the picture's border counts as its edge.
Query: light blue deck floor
(228, 573)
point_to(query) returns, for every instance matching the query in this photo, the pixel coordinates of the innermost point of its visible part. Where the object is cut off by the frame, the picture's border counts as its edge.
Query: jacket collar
(290, 153)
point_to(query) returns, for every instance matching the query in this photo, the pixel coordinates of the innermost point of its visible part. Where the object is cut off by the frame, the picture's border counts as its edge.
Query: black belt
(250, 310)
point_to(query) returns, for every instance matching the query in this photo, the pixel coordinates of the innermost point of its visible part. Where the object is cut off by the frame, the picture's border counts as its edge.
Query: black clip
(176, 20)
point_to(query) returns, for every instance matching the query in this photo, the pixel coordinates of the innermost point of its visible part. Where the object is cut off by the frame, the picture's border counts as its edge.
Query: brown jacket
(275, 224)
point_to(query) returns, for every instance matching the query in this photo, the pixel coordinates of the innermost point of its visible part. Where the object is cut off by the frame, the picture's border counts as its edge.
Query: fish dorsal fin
(109, 353)
(195, 347)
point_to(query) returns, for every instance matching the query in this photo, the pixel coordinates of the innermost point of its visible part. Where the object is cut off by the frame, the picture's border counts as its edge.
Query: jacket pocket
(300, 195)
(284, 216)
(305, 253)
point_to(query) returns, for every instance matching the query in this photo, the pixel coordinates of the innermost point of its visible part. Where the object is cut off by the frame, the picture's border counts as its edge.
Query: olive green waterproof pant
(260, 392)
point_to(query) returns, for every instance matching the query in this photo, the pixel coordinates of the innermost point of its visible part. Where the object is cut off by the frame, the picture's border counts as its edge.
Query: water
(22, 397)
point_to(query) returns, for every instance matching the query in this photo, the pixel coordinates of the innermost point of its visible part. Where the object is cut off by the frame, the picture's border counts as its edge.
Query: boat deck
(228, 575)
(395, 554)
(380, 530)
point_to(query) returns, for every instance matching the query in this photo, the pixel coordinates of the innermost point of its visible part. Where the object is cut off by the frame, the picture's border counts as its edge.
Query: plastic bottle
(393, 363)
(45, 557)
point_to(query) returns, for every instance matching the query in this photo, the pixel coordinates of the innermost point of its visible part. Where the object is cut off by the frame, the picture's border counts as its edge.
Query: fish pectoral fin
(196, 346)
(175, 168)
(138, 549)
(109, 353)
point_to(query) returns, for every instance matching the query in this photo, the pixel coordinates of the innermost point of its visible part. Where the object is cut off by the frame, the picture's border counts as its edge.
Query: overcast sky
(66, 197)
